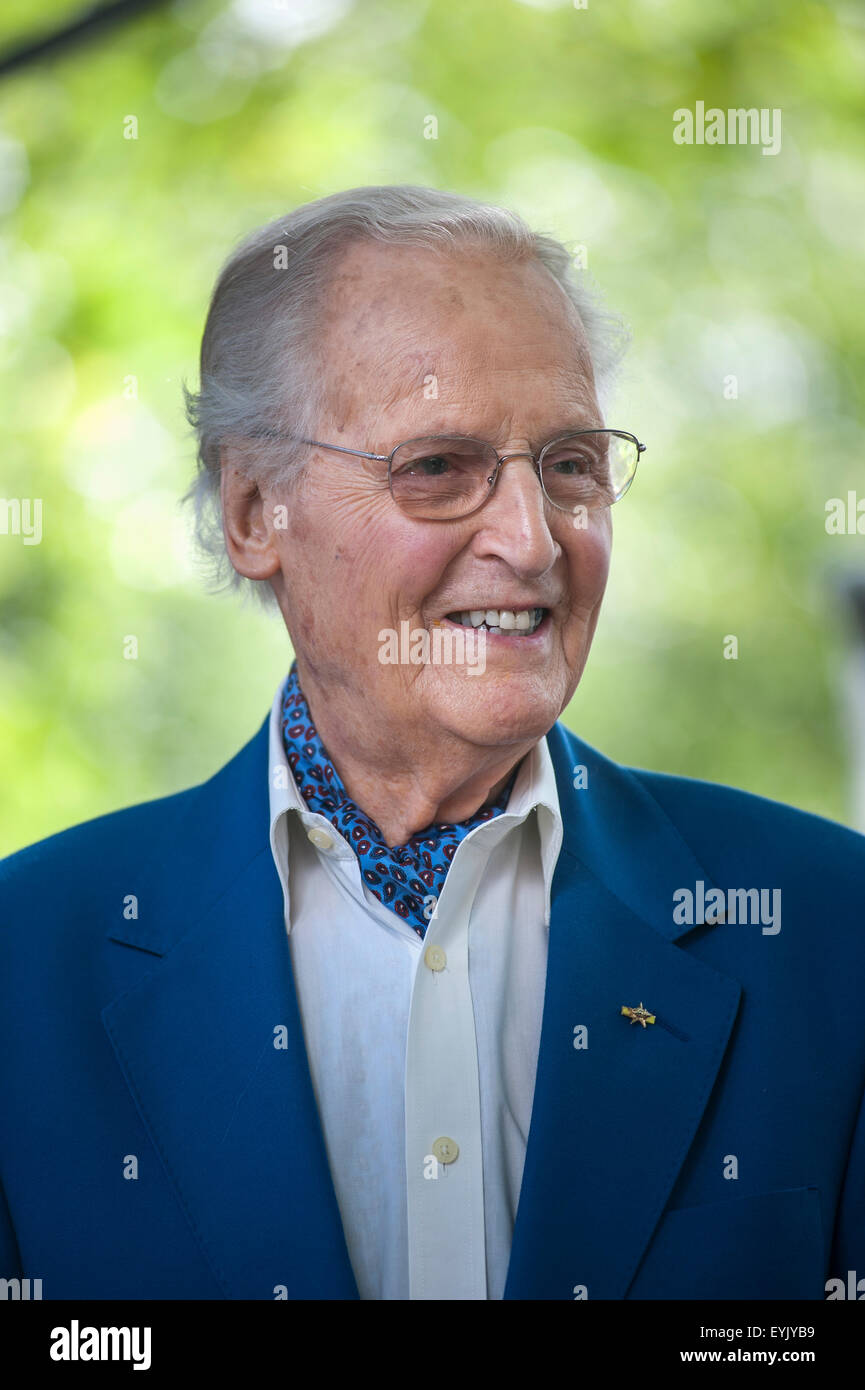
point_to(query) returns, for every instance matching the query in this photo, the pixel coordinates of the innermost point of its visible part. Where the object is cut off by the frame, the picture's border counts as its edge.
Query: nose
(513, 524)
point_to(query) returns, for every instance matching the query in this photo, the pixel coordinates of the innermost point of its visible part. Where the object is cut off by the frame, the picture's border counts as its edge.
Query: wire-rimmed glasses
(446, 477)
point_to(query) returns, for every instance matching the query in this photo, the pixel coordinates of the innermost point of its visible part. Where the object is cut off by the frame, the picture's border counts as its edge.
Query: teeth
(501, 619)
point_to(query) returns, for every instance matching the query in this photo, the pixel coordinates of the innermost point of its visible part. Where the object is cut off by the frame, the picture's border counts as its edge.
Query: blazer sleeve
(848, 1246)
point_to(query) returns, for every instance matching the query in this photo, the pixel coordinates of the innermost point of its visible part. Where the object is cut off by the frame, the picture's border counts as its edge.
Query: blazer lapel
(211, 1045)
(612, 1122)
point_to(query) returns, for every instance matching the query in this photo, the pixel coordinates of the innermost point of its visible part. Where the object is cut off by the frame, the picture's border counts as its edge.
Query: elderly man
(420, 996)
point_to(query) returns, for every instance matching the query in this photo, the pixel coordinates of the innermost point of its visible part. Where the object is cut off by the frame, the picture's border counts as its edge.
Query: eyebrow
(536, 441)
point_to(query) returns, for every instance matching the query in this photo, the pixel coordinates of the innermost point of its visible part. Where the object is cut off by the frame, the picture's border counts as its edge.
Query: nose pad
(506, 458)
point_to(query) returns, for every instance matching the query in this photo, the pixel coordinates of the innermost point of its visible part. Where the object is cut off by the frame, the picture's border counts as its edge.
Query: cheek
(600, 558)
(362, 564)
(588, 555)
(401, 567)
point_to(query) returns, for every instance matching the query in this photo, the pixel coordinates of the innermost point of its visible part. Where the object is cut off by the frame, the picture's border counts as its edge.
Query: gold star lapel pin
(639, 1015)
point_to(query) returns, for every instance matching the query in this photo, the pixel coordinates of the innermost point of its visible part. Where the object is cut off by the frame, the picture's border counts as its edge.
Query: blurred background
(135, 153)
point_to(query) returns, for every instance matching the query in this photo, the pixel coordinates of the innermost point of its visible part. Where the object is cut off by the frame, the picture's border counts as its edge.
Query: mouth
(520, 622)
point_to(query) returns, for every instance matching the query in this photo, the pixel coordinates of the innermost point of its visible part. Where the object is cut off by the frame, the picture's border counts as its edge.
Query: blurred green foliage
(725, 261)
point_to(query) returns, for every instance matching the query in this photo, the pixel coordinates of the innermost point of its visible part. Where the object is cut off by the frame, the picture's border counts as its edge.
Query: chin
(493, 709)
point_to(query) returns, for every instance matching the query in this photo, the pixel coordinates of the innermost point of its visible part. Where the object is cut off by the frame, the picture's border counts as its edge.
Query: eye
(575, 465)
(431, 466)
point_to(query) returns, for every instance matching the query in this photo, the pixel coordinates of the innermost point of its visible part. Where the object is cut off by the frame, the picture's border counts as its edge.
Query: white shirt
(403, 1055)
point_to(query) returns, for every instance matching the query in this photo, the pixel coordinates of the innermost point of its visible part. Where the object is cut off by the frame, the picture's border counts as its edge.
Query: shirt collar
(535, 788)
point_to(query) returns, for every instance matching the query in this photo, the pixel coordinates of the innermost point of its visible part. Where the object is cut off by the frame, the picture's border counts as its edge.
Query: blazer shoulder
(151, 837)
(724, 815)
(727, 829)
(64, 900)
(82, 848)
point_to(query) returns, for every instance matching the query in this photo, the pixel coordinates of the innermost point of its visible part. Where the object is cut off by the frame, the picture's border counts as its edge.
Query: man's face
(414, 345)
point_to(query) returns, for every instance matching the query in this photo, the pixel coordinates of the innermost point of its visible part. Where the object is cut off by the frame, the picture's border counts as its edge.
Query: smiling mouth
(519, 622)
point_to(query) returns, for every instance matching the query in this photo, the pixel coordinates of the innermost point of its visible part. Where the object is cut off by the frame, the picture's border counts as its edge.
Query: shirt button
(446, 1150)
(320, 838)
(435, 958)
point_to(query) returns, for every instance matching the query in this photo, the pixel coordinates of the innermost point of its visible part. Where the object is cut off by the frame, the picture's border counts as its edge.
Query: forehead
(408, 333)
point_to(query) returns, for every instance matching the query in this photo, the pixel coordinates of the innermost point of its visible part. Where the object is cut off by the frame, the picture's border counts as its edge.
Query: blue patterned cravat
(407, 878)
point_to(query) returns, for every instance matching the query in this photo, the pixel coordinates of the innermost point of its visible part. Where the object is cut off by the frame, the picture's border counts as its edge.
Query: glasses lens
(442, 476)
(592, 470)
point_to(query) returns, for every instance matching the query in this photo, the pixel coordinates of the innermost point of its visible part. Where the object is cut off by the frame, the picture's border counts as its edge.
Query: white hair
(258, 369)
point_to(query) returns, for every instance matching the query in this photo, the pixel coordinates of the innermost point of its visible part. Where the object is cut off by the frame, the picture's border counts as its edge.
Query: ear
(246, 521)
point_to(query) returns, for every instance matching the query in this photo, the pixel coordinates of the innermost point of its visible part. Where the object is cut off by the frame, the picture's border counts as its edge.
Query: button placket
(434, 958)
(443, 1122)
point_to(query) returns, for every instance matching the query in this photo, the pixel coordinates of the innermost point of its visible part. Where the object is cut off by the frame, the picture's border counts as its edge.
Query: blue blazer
(155, 1144)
